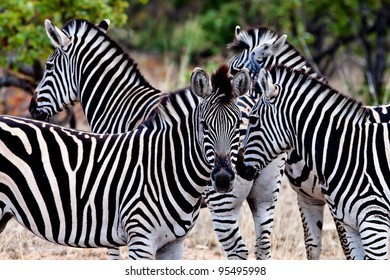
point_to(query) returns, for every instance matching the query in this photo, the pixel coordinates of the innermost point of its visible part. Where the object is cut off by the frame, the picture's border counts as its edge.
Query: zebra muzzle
(223, 180)
(222, 176)
(35, 113)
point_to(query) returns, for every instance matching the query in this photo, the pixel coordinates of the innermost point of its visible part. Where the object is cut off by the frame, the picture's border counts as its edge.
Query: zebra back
(88, 66)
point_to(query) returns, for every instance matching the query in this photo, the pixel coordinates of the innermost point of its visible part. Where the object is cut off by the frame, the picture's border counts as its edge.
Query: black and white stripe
(141, 188)
(348, 153)
(259, 48)
(89, 67)
(50, 96)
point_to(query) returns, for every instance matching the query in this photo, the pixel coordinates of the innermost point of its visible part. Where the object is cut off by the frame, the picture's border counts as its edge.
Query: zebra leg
(312, 214)
(114, 253)
(311, 202)
(225, 211)
(141, 246)
(262, 200)
(374, 233)
(350, 241)
(171, 251)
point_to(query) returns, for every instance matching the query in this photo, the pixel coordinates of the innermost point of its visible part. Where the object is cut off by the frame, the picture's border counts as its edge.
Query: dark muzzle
(222, 176)
(35, 113)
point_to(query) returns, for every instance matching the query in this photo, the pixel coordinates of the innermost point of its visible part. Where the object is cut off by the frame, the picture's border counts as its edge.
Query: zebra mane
(164, 100)
(249, 38)
(221, 80)
(82, 26)
(279, 71)
(222, 92)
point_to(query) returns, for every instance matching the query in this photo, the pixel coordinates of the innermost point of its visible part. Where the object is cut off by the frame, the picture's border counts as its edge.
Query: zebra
(258, 48)
(115, 96)
(89, 67)
(261, 47)
(348, 153)
(108, 107)
(141, 188)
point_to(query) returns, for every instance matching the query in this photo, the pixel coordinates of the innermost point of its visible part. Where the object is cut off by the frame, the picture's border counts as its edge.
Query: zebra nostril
(35, 113)
(222, 180)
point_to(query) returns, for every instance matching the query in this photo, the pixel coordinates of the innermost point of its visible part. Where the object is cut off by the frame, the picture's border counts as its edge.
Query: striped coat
(335, 136)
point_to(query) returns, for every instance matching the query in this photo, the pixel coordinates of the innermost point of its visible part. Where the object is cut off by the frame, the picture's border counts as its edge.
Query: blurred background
(347, 40)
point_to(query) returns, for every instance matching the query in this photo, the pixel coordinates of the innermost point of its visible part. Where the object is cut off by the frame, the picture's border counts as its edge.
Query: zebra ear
(57, 37)
(103, 25)
(241, 82)
(266, 84)
(237, 30)
(272, 49)
(200, 82)
(279, 43)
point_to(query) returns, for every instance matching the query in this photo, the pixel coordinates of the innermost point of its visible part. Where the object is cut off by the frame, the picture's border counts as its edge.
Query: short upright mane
(253, 37)
(246, 39)
(278, 71)
(221, 80)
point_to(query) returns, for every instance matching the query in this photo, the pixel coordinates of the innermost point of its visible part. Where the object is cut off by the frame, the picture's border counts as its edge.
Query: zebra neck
(321, 127)
(177, 120)
(112, 87)
(290, 57)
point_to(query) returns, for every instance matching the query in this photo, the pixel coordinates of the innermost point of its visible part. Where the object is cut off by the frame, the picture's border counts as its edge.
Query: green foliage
(203, 27)
(22, 35)
(189, 31)
(321, 30)
(219, 24)
(187, 38)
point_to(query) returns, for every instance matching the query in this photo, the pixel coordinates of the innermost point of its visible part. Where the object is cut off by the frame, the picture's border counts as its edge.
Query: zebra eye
(203, 124)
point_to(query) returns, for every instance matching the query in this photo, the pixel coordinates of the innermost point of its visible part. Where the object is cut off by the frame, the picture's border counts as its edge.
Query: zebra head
(219, 121)
(254, 47)
(266, 136)
(59, 86)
